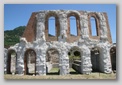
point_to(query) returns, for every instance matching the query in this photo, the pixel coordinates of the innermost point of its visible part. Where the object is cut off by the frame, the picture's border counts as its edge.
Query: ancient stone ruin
(49, 51)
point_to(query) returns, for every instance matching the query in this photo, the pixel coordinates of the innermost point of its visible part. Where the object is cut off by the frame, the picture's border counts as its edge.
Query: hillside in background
(11, 37)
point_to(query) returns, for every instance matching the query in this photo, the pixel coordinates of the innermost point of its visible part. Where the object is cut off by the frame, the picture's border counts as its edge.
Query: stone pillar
(40, 62)
(105, 62)
(84, 26)
(5, 60)
(20, 56)
(63, 27)
(86, 66)
(103, 26)
(64, 63)
(20, 63)
(40, 29)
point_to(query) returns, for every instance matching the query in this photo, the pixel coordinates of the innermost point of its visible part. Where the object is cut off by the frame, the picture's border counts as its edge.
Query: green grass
(54, 70)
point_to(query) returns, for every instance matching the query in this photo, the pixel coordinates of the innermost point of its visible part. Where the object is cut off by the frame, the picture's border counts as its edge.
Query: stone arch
(97, 21)
(73, 13)
(9, 59)
(75, 59)
(57, 26)
(52, 60)
(26, 59)
(77, 16)
(113, 57)
(95, 59)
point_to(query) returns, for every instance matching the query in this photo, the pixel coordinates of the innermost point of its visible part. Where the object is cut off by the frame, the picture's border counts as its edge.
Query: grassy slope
(11, 37)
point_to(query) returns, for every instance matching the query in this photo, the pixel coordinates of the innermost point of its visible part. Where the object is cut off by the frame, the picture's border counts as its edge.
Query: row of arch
(52, 25)
(31, 54)
(29, 57)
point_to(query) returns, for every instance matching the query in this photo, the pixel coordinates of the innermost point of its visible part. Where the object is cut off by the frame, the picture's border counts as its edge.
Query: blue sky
(18, 14)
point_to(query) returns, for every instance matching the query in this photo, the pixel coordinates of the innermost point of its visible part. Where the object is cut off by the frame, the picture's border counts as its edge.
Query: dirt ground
(53, 74)
(70, 76)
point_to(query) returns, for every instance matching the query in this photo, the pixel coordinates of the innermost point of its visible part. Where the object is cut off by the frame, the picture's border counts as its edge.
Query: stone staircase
(77, 66)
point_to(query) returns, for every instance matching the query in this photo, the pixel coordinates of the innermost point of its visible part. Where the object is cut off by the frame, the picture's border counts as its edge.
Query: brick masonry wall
(30, 31)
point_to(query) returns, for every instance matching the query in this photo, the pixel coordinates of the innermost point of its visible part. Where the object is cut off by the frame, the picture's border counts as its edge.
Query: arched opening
(113, 58)
(51, 26)
(30, 62)
(93, 26)
(52, 61)
(75, 60)
(95, 59)
(73, 26)
(11, 62)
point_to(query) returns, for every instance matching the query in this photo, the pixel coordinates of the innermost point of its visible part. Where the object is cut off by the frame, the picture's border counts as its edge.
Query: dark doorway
(113, 58)
(95, 59)
(30, 62)
(75, 60)
(11, 62)
(52, 61)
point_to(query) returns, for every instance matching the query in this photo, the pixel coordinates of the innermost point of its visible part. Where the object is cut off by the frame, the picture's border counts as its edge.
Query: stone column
(41, 62)
(64, 63)
(20, 56)
(63, 27)
(40, 30)
(20, 63)
(84, 26)
(103, 26)
(86, 66)
(5, 60)
(105, 62)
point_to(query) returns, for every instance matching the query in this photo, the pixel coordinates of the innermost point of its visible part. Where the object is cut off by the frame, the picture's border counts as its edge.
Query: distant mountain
(11, 37)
